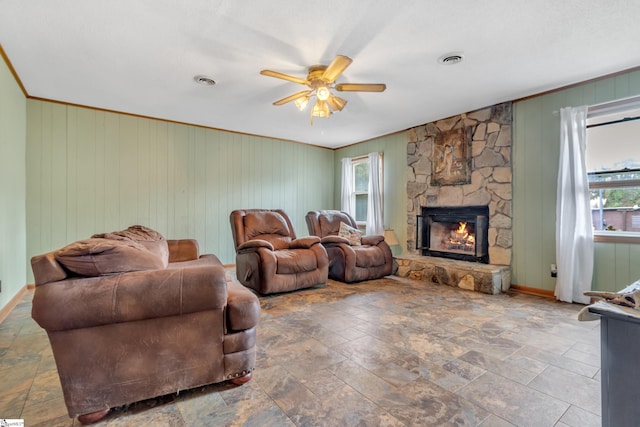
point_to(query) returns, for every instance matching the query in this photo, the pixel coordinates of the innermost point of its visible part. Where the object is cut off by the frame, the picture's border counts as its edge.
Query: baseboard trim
(7, 309)
(546, 293)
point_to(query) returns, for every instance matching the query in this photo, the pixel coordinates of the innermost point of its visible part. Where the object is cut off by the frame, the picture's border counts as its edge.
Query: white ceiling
(141, 56)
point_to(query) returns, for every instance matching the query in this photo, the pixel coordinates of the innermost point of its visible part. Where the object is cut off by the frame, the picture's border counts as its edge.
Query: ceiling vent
(204, 80)
(451, 58)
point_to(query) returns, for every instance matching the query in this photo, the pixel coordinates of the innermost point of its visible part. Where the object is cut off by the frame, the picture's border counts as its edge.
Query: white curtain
(346, 199)
(574, 229)
(375, 225)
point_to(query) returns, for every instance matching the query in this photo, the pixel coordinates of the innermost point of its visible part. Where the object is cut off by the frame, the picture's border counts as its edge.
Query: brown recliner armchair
(371, 259)
(125, 326)
(269, 257)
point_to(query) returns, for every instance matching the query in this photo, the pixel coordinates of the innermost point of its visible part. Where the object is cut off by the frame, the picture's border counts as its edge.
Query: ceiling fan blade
(278, 75)
(336, 103)
(293, 97)
(337, 66)
(361, 87)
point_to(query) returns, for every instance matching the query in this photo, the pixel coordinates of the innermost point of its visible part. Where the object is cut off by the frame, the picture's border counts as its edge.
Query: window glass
(361, 188)
(361, 176)
(613, 166)
(361, 207)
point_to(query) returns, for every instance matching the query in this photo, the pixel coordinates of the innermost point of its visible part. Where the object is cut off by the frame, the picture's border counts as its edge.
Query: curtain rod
(624, 170)
(612, 122)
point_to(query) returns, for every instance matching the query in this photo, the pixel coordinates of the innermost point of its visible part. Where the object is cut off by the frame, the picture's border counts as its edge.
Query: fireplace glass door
(454, 232)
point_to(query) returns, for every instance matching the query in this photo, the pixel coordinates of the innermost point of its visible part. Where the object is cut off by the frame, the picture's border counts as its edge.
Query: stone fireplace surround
(491, 179)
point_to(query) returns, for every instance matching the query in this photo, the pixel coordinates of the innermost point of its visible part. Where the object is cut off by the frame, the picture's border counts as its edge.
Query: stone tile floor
(389, 352)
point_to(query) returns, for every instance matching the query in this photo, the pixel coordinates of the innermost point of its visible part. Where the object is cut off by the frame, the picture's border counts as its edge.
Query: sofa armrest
(46, 269)
(252, 245)
(94, 301)
(373, 240)
(183, 250)
(334, 240)
(304, 242)
(243, 308)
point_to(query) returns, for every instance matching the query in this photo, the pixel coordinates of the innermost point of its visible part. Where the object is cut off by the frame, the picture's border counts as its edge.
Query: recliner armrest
(334, 240)
(304, 242)
(251, 245)
(372, 240)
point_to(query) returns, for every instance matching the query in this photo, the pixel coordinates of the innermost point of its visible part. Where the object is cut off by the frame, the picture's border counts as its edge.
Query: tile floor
(389, 352)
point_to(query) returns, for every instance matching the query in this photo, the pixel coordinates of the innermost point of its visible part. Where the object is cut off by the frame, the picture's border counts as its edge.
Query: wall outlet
(554, 270)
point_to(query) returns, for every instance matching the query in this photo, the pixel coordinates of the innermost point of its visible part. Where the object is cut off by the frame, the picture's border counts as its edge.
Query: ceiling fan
(321, 80)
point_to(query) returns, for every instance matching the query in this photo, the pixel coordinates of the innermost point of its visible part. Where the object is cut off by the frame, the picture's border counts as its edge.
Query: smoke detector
(451, 58)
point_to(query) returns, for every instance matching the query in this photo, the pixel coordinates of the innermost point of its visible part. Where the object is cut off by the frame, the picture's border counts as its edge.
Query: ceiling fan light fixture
(321, 81)
(336, 103)
(323, 93)
(321, 109)
(301, 103)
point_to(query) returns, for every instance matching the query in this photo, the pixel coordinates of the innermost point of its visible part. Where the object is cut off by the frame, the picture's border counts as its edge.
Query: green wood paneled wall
(90, 171)
(13, 125)
(617, 265)
(535, 172)
(394, 147)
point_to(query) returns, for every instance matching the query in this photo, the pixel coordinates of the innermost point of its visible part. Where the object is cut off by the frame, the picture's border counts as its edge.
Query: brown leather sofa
(124, 327)
(269, 257)
(371, 259)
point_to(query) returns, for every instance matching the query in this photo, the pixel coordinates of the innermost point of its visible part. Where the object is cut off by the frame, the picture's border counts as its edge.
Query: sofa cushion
(98, 257)
(150, 239)
(353, 235)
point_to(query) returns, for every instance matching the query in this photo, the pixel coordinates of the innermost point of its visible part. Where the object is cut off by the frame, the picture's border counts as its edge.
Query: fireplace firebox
(454, 232)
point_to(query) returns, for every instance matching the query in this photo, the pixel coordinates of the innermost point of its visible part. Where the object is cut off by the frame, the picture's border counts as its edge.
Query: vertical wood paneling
(622, 263)
(536, 151)
(143, 169)
(57, 171)
(13, 186)
(99, 172)
(634, 262)
(84, 171)
(92, 171)
(604, 271)
(112, 172)
(128, 183)
(34, 164)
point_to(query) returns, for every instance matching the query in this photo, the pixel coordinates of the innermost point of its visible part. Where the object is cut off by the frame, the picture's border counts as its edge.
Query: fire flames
(460, 238)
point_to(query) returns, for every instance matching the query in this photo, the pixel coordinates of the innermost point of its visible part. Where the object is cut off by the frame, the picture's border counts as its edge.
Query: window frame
(598, 111)
(355, 161)
(614, 236)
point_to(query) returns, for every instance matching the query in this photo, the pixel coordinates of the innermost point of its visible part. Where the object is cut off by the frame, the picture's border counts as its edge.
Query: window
(360, 187)
(613, 167)
(361, 194)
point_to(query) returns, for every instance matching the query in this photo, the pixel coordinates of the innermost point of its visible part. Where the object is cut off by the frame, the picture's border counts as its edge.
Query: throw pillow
(353, 235)
(99, 257)
(150, 239)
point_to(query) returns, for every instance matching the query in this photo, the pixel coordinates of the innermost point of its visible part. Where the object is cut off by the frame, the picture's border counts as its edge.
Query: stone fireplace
(489, 185)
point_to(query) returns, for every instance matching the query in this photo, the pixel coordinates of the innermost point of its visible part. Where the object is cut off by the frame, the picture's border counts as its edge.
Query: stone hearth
(472, 276)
